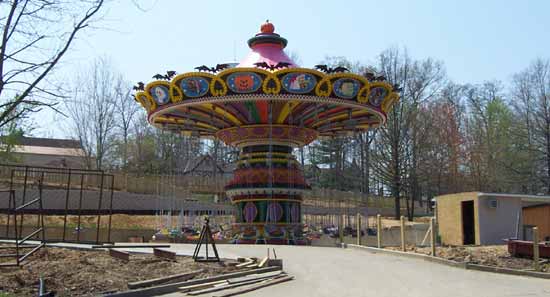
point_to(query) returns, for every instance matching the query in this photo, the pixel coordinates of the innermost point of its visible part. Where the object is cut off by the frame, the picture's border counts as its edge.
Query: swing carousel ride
(267, 106)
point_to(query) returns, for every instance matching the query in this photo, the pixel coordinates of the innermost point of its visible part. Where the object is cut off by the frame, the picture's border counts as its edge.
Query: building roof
(202, 164)
(537, 205)
(49, 142)
(49, 146)
(523, 197)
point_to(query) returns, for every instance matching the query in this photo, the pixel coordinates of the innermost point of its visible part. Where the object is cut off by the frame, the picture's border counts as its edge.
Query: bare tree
(126, 110)
(35, 35)
(93, 108)
(397, 143)
(531, 89)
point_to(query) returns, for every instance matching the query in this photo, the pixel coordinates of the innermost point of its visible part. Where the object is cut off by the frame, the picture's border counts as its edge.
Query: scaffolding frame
(66, 179)
(16, 211)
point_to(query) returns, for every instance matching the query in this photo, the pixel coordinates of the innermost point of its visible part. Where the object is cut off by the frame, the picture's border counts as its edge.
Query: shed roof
(523, 197)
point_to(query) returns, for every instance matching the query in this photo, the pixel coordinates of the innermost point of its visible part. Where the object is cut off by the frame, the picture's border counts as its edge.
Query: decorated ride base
(268, 183)
(267, 106)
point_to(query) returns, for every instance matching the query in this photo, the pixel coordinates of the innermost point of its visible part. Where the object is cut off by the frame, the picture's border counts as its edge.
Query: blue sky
(477, 40)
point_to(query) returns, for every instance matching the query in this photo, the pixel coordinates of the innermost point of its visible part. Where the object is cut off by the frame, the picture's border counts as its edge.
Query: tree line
(441, 137)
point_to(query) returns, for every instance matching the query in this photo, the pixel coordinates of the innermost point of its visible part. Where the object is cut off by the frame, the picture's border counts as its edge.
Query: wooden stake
(403, 234)
(536, 248)
(379, 231)
(358, 221)
(341, 228)
(432, 237)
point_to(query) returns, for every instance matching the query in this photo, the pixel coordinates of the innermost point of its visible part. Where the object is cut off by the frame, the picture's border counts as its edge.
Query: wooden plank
(169, 288)
(164, 254)
(200, 286)
(157, 281)
(122, 255)
(257, 286)
(263, 262)
(130, 246)
(248, 262)
(230, 286)
(254, 276)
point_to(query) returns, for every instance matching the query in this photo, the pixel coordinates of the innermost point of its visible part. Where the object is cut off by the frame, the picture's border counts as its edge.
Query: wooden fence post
(403, 234)
(358, 221)
(432, 236)
(379, 231)
(341, 228)
(536, 248)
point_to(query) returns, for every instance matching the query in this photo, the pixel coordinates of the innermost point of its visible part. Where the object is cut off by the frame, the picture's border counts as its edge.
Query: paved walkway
(322, 271)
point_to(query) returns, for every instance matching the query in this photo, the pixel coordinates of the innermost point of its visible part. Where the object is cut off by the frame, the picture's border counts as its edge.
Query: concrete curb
(461, 265)
(507, 271)
(408, 255)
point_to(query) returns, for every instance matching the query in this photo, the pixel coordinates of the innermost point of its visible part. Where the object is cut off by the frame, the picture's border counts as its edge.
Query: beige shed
(475, 218)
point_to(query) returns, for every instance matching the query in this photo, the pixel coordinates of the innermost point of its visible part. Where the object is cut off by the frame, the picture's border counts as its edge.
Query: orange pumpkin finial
(267, 28)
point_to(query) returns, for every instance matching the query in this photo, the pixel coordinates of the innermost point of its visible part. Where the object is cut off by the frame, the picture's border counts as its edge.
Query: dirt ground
(118, 221)
(496, 256)
(89, 273)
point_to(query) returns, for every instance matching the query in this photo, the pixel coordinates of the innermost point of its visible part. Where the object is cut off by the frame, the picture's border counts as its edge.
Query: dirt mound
(89, 273)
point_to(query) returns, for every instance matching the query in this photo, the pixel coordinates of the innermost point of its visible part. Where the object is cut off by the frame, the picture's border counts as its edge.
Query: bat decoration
(397, 88)
(139, 87)
(272, 67)
(327, 69)
(380, 78)
(219, 67)
(134, 96)
(158, 76)
(170, 74)
(369, 75)
(203, 68)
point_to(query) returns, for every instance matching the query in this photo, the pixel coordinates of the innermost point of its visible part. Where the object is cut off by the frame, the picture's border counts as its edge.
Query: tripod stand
(206, 238)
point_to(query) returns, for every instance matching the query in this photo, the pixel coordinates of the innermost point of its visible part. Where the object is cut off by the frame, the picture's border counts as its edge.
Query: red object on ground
(524, 249)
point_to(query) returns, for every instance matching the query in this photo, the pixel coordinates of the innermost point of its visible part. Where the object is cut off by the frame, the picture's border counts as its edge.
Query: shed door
(468, 223)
